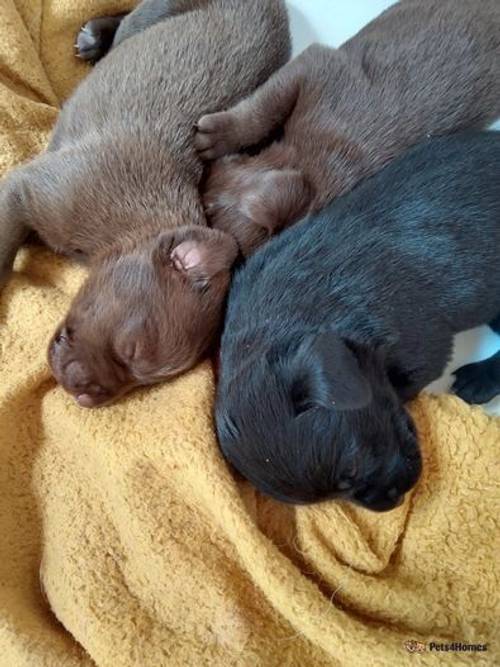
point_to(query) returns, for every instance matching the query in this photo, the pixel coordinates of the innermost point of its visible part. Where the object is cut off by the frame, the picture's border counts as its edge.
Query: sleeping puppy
(421, 68)
(118, 189)
(479, 382)
(337, 322)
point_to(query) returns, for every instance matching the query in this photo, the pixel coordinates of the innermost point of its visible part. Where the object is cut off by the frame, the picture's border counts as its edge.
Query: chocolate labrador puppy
(118, 188)
(422, 68)
(337, 322)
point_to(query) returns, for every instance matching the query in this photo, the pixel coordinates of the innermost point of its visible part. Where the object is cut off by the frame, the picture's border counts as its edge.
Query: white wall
(330, 21)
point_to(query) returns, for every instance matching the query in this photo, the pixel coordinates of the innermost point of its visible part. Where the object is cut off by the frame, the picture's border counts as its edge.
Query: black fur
(480, 382)
(342, 318)
(95, 38)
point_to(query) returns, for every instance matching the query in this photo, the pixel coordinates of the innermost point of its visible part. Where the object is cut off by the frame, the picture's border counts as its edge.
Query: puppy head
(145, 315)
(319, 420)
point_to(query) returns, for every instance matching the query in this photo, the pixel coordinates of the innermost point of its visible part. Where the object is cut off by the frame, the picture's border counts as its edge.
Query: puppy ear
(327, 374)
(199, 253)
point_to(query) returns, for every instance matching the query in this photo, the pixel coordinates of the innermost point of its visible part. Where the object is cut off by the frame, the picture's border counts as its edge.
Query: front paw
(95, 38)
(216, 135)
(478, 383)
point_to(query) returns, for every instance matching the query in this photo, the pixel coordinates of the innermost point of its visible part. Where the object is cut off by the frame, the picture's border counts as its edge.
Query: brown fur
(118, 189)
(422, 68)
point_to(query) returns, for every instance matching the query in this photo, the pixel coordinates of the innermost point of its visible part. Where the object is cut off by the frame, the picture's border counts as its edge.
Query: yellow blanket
(150, 552)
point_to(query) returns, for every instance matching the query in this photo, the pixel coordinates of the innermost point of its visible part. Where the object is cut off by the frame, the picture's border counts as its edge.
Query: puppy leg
(408, 378)
(478, 383)
(256, 204)
(34, 199)
(495, 325)
(13, 229)
(96, 37)
(253, 119)
(150, 12)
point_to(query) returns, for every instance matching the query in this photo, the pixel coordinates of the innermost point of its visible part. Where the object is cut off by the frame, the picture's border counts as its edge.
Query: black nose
(382, 501)
(396, 501)
(384, 505)
(393, 493)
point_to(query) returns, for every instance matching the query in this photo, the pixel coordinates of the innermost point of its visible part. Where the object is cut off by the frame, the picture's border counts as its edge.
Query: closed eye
(64, 336)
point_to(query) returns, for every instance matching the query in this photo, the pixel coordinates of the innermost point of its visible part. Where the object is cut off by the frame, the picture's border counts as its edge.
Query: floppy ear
(327, 374)
(199, 253)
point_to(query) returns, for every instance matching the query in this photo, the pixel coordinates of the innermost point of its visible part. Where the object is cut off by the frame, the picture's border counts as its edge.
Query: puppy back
(132, 119)
(173, 72)
(448, 50)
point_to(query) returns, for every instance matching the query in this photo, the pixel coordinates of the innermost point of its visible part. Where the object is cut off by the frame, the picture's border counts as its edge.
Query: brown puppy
(118, 188)
(423, 67)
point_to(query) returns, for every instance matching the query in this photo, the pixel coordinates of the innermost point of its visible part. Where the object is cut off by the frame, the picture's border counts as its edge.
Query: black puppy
(342, 318)
(480, 382)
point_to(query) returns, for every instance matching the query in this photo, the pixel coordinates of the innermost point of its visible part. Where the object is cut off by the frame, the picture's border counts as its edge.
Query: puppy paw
(216, 135)
(95, 38)
(478, 383)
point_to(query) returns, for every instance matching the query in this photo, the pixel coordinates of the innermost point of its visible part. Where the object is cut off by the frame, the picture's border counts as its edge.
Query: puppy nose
(395, 498)
(85, 401)
(92, 397)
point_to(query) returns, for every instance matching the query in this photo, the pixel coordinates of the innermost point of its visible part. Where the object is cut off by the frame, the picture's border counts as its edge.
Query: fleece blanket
(124, 538)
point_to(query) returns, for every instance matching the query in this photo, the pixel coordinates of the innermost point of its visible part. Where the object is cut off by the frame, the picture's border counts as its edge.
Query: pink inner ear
(187, 255)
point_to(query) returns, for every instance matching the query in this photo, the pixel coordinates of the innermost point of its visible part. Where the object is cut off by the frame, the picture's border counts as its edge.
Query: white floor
(332, 22)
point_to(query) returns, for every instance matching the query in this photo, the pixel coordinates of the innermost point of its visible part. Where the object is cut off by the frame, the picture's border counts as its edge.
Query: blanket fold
(125, 539)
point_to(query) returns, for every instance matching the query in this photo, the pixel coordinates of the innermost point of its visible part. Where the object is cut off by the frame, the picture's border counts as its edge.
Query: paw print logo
(412, 646)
